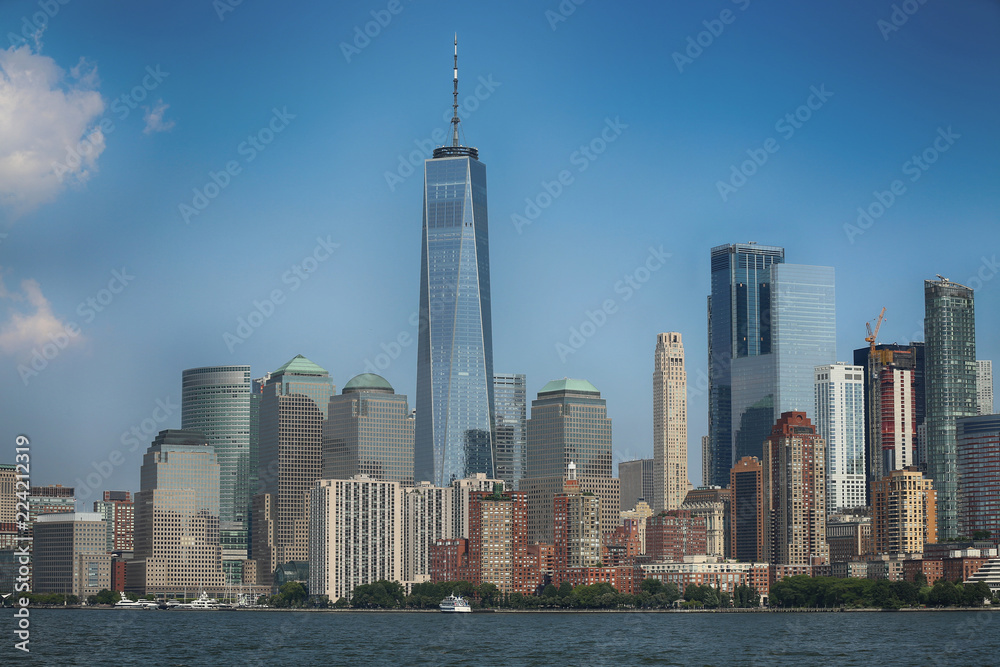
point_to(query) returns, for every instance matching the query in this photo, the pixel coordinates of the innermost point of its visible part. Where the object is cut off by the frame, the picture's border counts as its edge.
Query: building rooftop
(569, 384)
(62, 517)
(367, 382)
(300, 366)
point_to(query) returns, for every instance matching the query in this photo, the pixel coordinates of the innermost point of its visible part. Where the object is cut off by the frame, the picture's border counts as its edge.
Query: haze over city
(195, 163)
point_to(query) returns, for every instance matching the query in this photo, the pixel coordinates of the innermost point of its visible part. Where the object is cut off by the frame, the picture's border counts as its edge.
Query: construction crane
(872, 335)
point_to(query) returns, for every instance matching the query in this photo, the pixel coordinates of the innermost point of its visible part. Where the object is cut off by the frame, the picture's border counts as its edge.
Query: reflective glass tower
(454, 427)
(738, 326)
(511, 432)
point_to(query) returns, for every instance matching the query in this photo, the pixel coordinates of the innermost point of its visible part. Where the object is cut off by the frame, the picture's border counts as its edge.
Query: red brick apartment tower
(746, 516)
(498, 541)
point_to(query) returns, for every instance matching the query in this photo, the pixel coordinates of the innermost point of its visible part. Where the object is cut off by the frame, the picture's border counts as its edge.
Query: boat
(125, 603)
(203, 602)
(455, 603)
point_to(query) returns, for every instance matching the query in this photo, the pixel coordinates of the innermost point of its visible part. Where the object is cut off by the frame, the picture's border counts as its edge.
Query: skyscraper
(840, 420)
(293, 407)
(636, 481)
(511, 406)
(215, 401)
(569, 423)
(670, 474)
(903, 512)
(739, 326)
(794, 479)
(984, 386)
(746, 540)
(978, 441)
(454, 429)
(369, 431)
(577, 526)
(950, 333)
(118, 511)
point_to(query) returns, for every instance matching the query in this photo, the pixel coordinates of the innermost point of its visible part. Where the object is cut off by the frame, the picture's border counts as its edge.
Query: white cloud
(48, 138)
(31, 325)
(154, 118)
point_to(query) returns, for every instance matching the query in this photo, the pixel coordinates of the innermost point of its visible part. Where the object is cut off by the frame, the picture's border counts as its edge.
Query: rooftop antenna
(454, 106)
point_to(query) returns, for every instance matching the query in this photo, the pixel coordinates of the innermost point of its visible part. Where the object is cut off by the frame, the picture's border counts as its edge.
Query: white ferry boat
(455, 603)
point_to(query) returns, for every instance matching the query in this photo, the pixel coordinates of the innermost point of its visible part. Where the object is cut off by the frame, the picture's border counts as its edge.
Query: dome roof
(367, 382)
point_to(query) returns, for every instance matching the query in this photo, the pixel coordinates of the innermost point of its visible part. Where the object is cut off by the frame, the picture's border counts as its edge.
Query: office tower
(950, 333)
(894, 407)
(428, 515)
(802, 328)
(511, 413)
(706, 461)
(670, 474)
(498, 545)
(577, 526)
(746, 486)
(52, 499)
(8, 495)
(177, 518)
(455, 344)
(215, 401)
(670, 536)
(903, 512)
(69, 555)
(739, 326)
(714, 505)
(293, 406)
(636, 480)
(355, 535)
(984, 386)
(369, 431)
(568, 422)
(118, 511)
(794, 479)
(840, 421)
(978, 458)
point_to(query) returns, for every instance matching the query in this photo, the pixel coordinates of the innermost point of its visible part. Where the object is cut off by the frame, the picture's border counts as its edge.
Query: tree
(488, 593)
(565, 589)
(651, 586)
(549, 591)
(104, 596)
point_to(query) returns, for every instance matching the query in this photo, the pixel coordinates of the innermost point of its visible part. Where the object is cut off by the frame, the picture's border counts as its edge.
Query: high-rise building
(569, 423)
(746, 487)
(53, 499)
(118, 511)
(369, 431)
(706, 461)
(8, 495)
(638, 515)
(950, 333)
(894, 407)
(739, 326)
(670, 473)
(673, 535)
(978, 458)
(984, 386)
(69, 555)
(511, 413)
(355, 534)
(636, 481)
(840, 421)
(215, 401)
(714, 505)
(577, 526)
(428, 515)
(463, 490)
(903, 512)
(454, 427)
(803, 335)
(177, 548)
(498, 545)
(293, 407)
(794, 480)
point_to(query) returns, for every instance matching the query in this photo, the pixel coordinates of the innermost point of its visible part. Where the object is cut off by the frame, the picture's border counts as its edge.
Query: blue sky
(684, 94)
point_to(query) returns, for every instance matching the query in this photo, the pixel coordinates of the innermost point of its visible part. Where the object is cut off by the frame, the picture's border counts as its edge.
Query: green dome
(367, 382)
(569, 384)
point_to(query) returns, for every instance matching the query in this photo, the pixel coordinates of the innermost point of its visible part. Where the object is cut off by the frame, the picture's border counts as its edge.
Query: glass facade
(454, 429)
(510, 401)
(840, 406)
(950, 375)
(753, 414)
(738, 326)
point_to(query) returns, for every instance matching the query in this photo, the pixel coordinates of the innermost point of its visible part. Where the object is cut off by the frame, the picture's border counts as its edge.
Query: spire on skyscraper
(455, 119)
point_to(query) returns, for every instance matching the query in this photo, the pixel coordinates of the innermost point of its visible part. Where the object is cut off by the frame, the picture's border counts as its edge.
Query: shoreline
(760, 610)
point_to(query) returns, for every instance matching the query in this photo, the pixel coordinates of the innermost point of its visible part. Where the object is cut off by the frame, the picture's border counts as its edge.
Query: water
(179, 638)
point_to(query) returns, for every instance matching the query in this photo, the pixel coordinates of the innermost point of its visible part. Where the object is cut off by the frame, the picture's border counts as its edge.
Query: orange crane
(870, 338)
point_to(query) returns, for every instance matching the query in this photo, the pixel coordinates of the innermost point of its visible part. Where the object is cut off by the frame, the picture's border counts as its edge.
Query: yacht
(455, 603)
(203, 602)
(125, 603)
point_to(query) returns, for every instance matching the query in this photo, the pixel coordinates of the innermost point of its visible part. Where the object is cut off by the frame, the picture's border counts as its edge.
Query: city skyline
(551, 276)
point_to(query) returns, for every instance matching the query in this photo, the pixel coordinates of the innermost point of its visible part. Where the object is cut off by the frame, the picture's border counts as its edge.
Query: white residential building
(840, 421)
